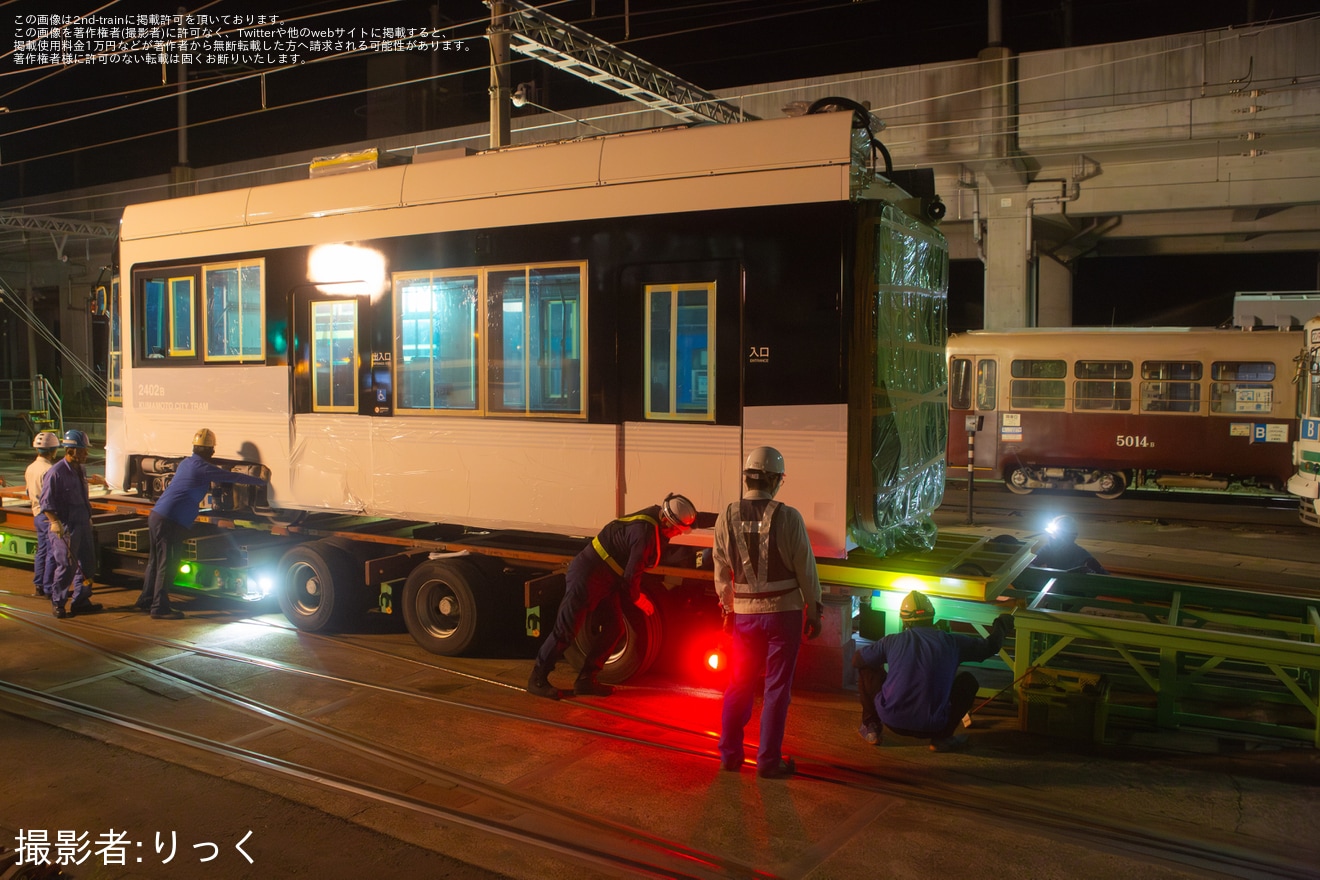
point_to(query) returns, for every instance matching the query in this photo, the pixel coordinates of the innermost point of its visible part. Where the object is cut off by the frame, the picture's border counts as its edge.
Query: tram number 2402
(1129, 440)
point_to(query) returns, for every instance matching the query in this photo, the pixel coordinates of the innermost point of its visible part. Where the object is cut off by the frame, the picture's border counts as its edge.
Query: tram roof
(777, 161)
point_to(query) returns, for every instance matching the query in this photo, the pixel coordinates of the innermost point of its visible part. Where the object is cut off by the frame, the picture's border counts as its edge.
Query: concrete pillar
(1053, 293)
(1007, 275)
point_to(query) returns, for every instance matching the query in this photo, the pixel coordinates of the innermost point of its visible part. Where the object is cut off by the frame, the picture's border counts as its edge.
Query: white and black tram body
(543, 338)
(1100, 409)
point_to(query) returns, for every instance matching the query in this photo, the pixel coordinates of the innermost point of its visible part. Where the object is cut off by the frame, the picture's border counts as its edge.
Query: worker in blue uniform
(68, 511)
(172, 518)
(922, 693)
(1062, 552)
(605, 572)
(48, 447)
(765, 575)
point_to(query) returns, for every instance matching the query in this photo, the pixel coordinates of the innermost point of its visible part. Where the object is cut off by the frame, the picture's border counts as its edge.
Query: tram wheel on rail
(448, 606)
(1016, 481)
(1112, 485)
(315, 591)
(637, 649)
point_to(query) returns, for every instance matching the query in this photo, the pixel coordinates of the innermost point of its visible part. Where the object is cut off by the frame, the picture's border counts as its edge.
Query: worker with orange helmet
(172, 517)
(922, 693)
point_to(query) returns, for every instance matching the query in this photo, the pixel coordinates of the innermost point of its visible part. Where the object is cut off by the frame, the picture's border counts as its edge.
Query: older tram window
(680, 325)
(1100, 385)
(987, 389)
(232, 313)
(1171, 386)
(1037, 384)
(1241, 387)
(960, 383)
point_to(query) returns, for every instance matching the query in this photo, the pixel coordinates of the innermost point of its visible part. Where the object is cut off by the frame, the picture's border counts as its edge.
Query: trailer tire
(316, 589)
(447, 606)
(1016, 481)
(636, 653)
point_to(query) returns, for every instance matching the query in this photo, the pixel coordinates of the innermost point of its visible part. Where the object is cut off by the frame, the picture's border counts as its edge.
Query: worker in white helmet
(47, 445)
(172, 518)
(765, 575)
(602, 575)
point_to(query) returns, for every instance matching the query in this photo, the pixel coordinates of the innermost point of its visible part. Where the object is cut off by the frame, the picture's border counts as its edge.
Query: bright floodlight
(346, 270)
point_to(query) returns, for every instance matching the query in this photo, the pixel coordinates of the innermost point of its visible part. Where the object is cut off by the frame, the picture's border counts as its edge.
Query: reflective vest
(610, 560)
(762, 579)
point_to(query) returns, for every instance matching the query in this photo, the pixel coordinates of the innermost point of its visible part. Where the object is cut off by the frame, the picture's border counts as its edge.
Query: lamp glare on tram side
(347, 270)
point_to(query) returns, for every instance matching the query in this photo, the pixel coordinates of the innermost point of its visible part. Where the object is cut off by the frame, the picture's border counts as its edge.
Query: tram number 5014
(1129, 440)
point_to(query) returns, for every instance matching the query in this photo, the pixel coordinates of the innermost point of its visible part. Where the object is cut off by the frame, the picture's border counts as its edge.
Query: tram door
(973, 392)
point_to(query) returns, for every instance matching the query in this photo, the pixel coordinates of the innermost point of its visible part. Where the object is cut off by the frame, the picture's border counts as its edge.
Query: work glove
(644, 604)
(56, 527)
(1004, 623)
(727, 624)
(812, 628)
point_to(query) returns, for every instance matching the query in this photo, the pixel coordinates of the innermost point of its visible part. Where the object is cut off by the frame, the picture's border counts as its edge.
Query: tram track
(589, 839)
(892, 780)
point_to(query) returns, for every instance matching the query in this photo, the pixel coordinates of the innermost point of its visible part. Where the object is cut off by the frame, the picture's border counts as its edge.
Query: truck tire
(635, 653)
(317, 591)
(448, 606)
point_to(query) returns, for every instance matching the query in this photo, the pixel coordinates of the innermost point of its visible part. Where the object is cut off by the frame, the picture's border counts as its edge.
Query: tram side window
(987, 386)
(534, 340)
(438, 341)
(1171, 386)
(680, 324)
(232, 313)
(168, 318)
(1241, 387)
(1311, 409)
(1102, 385)
(960, 383)
(334, 356)
(1037, 384)
(115, 350)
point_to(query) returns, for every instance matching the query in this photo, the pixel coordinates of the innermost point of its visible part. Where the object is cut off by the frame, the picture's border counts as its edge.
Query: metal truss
(539, 35)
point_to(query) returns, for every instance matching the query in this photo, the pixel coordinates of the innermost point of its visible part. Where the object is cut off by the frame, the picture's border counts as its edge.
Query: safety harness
(605, 554)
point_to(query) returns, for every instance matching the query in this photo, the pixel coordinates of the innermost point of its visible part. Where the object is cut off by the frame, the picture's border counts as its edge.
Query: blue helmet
(75, 439)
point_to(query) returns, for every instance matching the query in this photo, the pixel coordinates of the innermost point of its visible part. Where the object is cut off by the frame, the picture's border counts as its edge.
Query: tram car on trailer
(536, 340)
(1102, 409)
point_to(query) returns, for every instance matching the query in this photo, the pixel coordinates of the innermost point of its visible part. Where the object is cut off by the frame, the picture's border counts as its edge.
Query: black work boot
(539, 684)
(589, 687)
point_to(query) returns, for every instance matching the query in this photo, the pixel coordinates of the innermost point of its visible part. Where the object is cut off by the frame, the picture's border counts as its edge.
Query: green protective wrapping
(909, 418)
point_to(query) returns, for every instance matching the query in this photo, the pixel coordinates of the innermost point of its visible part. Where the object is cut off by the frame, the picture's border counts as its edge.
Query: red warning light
(715, 661)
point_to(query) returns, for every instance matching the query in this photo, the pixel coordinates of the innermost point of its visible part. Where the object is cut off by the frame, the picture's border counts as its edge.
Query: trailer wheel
(1016, 481)
(1112, 485)
(316, 591)
(447, 606)
(636, 651)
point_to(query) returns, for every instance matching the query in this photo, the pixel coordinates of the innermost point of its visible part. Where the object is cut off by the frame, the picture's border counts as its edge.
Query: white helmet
(764, 460)
(45, 440)
(677, 510)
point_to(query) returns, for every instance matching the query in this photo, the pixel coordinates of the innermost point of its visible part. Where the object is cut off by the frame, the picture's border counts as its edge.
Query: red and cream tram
(1101, 409)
